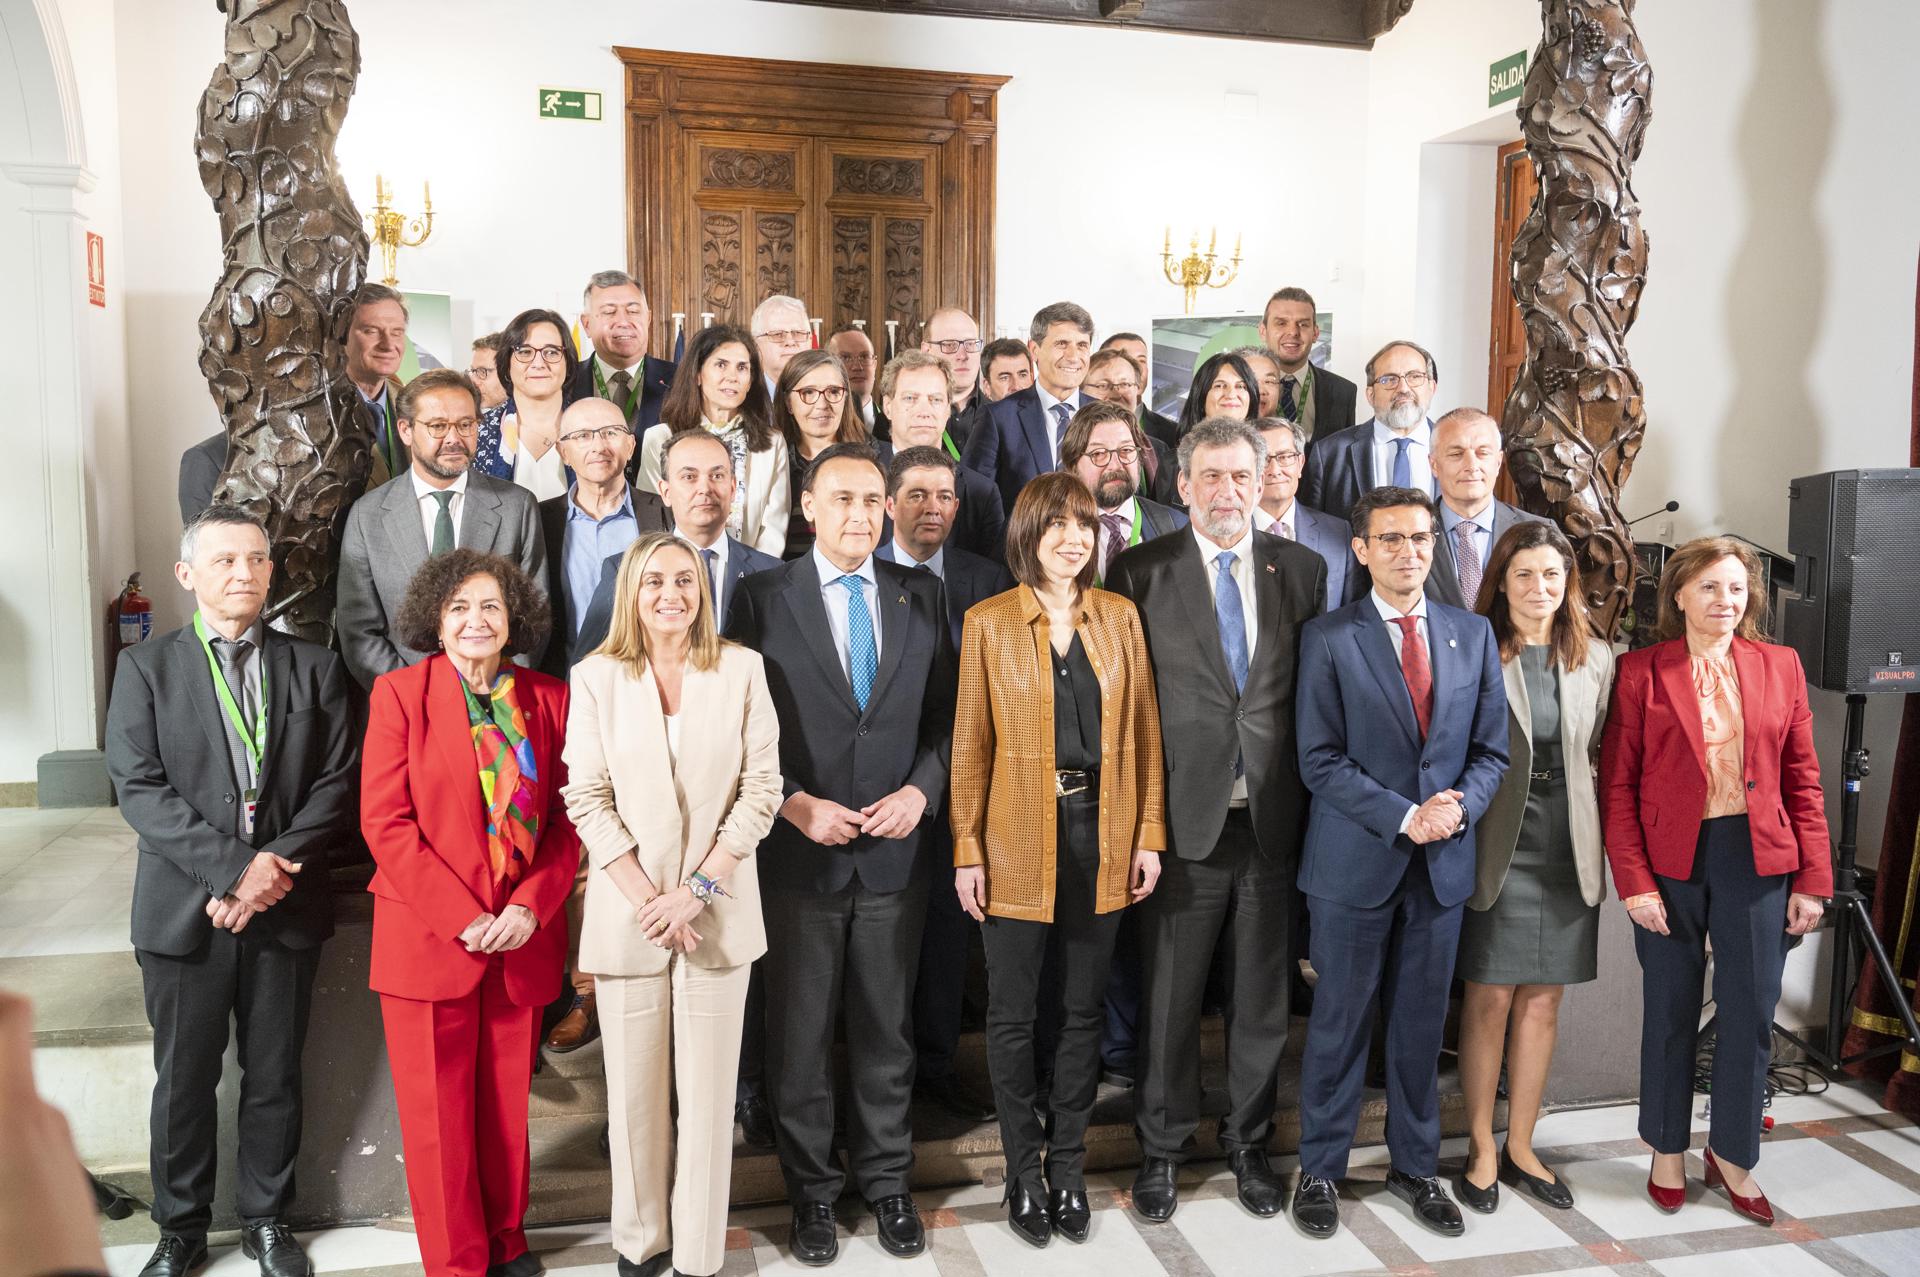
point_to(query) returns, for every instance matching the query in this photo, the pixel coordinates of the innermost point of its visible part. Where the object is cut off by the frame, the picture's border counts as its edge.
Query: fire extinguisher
(129, 619)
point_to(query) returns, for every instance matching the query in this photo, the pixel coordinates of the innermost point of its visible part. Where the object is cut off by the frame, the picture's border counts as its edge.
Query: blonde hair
(1695, 557)
(626, 639)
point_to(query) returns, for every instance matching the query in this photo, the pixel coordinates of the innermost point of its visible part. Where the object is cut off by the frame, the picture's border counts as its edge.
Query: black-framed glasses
(465, 427)
(1126, 455)
(546, 354)
(1103, 387)
(602, 434)
(1394, 380)
(811, 395)
(1394, 542)
(954, 345)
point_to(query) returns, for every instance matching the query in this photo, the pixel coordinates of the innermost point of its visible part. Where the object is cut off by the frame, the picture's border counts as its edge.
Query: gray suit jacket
(1332, 540)
(384, 544)
(1443, 582)
(1583, 714)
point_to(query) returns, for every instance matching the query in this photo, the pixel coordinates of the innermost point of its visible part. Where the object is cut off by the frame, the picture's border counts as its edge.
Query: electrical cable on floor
(1785, 1076)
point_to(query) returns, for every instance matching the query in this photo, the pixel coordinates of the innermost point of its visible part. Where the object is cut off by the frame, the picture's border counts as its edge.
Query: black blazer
(1014, 444)
(1171, 586)
(1339, 468)
(969, 579)
(655, 376)
(1334, 398)
(649, 514)
(167, 754)
(1160, 427)
(1157, 520)
(829, 747)
(742, 562)
(979, 524)
(1443, 582)
(200, 468)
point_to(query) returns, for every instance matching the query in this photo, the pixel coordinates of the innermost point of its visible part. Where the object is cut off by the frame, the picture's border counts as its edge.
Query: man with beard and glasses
(1106, 448)
(1222, 607)
(1391, 450)
(1120, 378)
(436, 504)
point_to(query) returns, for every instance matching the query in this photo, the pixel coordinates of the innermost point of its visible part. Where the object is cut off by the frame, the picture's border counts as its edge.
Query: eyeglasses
(954, 345)
(1126, 455)
(1102, 387)
(811, 395)
(1394, 542)
(601, 434)
(787, 336)
(466, 427)
(860, 361)
(546, 354)
(480, 373)
(1285, 459)
(1394, 380)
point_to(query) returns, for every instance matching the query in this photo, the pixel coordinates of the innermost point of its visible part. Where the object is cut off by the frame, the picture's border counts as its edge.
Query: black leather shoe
(1155, 1194)
(1431, 1205)
(175, 1256)
(1554, 1192)
(1260, 1189)
(271, 1245)
(956, 1097)
(1117, 1075)
(525, 1264)
(1028, 1215)
(899, 1226)
(1316, 1207)
(756, 1121)
(1481, 1200)
(651, 1267)
(815, 1239)
(1071, 1216)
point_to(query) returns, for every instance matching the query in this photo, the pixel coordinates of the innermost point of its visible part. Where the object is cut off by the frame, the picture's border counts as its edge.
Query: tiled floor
(1843, 1175)
(66, 881)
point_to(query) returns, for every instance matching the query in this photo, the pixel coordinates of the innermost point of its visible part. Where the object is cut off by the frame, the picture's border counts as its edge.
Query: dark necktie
(1415, 669)
(1289, 405)
(1060, 415)
(712, 559)
(232, 655)
(1114, 533)
(1467, 556)
(620, 390)
(443, 524)
(1402, 469)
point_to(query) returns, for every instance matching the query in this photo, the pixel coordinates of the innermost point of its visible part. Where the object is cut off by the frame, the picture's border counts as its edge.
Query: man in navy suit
(1021, 436)
(615, 318)
(1281, 514)
(915, 387)
(1466, 461)
(1402, 731)
(922, 498)
(1391, 449)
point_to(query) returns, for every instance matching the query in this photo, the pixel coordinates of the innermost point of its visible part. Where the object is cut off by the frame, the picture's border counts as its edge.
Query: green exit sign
(569, 104)
(1505, 78)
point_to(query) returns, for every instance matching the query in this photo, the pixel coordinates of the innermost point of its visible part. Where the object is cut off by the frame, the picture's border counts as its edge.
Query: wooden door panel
(1507, 332)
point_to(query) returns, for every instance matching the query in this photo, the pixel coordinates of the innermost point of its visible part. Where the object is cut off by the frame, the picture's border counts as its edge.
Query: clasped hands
(266, 882)
(667, 919)
(1437, 818)
(831, 825)
(501, 932)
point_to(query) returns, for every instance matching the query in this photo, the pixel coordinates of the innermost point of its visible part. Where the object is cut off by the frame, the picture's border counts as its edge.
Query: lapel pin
(1451, 643)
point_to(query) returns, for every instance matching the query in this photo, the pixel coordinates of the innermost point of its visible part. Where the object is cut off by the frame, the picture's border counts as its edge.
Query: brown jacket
(1003, 802)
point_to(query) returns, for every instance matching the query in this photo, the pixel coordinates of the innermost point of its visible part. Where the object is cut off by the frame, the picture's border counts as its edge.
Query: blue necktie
(1402, 472)
(863, 658)
(1232, 619)
(1060, 415)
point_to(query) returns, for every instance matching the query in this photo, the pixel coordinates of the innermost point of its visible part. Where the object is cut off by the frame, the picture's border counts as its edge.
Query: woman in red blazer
(1717, 831)
(462, 809)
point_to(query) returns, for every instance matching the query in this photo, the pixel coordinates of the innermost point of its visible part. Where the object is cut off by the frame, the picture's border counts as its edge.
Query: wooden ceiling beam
(1348, 24)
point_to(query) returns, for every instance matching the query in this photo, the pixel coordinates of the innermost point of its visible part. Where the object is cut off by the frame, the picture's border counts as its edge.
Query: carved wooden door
(866, 192)
(1518, 183)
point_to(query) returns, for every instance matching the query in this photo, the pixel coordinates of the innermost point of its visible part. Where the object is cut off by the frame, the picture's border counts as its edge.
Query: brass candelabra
(1196, 270)
(393, 230)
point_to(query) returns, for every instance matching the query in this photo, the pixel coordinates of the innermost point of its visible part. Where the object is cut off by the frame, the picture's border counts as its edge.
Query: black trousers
(1237, 890)
(1745, 916)
(752, 1077)
(939, 991)
(1080, 943)
(267, 990)
(852, 951)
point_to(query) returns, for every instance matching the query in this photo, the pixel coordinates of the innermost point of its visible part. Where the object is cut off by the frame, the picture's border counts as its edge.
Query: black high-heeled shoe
(1554, 1192)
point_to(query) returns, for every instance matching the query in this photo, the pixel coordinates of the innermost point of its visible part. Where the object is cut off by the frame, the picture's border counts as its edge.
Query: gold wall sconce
(1196, 271)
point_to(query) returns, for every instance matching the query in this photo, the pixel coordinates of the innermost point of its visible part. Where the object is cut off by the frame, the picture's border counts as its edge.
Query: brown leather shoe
(579, 1026)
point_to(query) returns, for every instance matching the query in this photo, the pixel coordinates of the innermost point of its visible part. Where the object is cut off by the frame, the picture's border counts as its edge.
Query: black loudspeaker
(1855, 620)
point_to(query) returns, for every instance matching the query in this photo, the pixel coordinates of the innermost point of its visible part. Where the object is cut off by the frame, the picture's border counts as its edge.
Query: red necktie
(1415, 669)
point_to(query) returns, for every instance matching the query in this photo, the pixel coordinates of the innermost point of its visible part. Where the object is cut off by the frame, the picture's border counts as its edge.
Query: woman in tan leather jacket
(1058, 808)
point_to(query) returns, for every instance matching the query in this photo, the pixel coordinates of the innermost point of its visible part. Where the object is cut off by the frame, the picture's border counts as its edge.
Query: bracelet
(704, 889)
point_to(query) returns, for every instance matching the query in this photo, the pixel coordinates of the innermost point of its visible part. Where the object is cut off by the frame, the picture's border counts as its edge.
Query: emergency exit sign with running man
(569, 104)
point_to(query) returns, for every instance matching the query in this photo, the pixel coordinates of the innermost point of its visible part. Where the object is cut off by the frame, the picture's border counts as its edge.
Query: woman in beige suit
(674, 758)
(1532, 926)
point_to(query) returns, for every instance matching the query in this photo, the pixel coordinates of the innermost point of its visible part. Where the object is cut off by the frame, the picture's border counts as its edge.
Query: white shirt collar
(719, 546)
(1388, 611)
(1421, 434)
(632, 370)
(1242, 549)
(1047, 401)
(1125, 509)
(829, 573)
(936, 563)
(422, 489)
(1290, 520)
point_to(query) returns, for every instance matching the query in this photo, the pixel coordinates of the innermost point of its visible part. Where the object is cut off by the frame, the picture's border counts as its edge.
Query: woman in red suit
(1717, 831)
(461, 807)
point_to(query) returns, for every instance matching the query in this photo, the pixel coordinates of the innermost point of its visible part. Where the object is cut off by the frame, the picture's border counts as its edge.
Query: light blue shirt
(1419, 468)
(834, 596)
(1482, 534)
(587, 543)
(936, 565)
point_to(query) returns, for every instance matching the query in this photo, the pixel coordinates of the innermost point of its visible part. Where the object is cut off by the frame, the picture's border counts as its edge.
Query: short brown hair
(1054, 495)
(418, 623)
(1113, 354)
(489, 342)
(906, 361)
(1002, 348)
(369, 294)
(1571, 626)
(1073, 444)
(1695, 557)
(1290, 294)
(429, 381)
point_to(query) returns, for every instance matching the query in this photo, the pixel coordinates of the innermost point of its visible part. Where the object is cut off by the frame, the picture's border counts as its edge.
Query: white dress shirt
(1242, 552)
(1387, 614)
(1047, 401)
(834, 596)
(430, 508)
(1280, 527)
(545, 477)
(1419, 470)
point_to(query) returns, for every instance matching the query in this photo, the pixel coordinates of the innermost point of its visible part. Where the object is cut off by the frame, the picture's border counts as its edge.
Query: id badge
(250, 801)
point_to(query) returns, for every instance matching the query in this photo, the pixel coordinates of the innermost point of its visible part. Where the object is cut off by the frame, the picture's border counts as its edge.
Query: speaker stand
(1853, 924)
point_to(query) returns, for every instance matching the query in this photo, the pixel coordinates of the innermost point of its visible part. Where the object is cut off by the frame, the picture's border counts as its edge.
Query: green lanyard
(1133, 537)
(946, 441)
(600, 389)
(255, 739)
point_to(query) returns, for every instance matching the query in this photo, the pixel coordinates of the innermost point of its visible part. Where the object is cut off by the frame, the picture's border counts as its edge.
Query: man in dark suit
(617, 322)
(952, 334)
(200, 468)
(1466, 461)
(854, 349)
(1222, 606)
(436, 504)
(862, 673)
(1106, 449)
(232, 751)
(1005, 367)
(1281, 514)
(1115, 375)
(1391, 449)
(1403, 739)
(921, 499)
(1022, 435)
(913, 388)
(1321, 400)
(1161, 428)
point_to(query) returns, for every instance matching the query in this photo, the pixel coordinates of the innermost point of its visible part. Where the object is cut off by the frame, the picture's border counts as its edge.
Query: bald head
(951, 333)
(1466, 459)
(596, 442)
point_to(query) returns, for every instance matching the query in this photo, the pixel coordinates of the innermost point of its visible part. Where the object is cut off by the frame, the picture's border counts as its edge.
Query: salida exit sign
(1506, 77)
(569, 104)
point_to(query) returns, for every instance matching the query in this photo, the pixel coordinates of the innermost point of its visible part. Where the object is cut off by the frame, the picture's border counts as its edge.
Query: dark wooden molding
(1344, 24)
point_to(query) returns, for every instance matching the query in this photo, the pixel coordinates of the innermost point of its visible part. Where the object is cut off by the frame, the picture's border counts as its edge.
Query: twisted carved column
(1574, 419)
(273, 334)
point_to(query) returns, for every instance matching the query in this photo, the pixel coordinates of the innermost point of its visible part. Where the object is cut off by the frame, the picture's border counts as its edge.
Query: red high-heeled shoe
(1755, 1208)
(1667, 1199)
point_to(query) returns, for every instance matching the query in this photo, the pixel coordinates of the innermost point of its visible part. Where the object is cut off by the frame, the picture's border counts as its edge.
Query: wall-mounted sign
(96, 269)
(1505, 78)
(569, 104)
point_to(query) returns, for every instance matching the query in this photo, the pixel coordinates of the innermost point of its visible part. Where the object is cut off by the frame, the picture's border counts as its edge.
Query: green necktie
(443, 524)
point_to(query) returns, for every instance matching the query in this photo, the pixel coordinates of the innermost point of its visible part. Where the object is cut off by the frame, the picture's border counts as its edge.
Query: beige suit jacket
(626, 792)
(1583, 712)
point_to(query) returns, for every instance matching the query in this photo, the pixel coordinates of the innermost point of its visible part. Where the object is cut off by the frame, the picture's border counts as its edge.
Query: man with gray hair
(1222, 607)
(1281, 513)
(1392, 449)
(617, 321)
(781, 330)
(1466, 460)
(1022, 433)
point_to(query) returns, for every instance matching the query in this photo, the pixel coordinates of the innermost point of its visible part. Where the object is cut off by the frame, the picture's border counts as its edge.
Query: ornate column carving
(273, 335)
(1574, 419)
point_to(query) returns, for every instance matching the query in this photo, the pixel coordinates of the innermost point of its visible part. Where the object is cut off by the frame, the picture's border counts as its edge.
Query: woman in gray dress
(1533, 923)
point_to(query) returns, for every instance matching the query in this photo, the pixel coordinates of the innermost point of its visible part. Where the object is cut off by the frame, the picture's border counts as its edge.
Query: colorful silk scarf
(507, 773)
